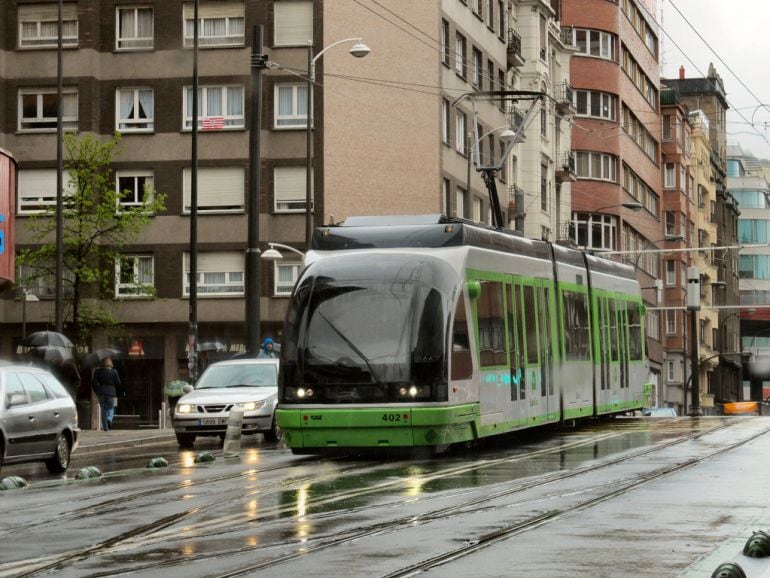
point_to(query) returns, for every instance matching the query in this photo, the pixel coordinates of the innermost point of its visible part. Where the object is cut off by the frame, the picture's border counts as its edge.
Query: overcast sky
(736, 38)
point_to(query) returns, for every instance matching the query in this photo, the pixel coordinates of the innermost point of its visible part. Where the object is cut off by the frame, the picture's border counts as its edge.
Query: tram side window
(514, 330)
(530, 322)
(634, 331)
(462, 366)
(520, 342)
(614, 331)
(576, 334)
(489, 311)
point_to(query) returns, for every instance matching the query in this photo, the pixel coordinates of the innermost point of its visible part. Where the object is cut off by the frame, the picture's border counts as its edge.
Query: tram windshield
(364, 328)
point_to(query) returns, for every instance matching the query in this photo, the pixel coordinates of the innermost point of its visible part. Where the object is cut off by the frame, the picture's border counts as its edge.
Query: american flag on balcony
(212, 123)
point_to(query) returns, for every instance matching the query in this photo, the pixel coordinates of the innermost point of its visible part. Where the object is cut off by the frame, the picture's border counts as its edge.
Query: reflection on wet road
(278, 514)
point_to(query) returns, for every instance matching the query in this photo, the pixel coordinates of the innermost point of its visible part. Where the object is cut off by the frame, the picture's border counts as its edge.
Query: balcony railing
(515, 118)
(566, 167)
(563, 97)
(515, 57)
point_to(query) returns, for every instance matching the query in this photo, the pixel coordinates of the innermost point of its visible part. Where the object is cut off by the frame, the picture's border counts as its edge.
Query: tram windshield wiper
(352, 347)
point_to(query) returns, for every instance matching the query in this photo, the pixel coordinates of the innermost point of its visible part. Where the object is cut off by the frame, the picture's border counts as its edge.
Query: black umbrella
(96, 357)
(43, 338)
(55, 354)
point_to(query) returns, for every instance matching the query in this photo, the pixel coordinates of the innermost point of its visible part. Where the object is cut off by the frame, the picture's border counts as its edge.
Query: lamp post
(359, 50)
(693, 306)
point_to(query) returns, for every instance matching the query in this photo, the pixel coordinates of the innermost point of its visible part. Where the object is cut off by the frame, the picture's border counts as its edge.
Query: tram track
(164, 531)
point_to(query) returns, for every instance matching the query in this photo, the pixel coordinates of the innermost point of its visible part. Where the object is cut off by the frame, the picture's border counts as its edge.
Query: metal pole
(309, 153)
(693, 305)
(192, 339)
(24, 314)
(253, 293)
(58, 289)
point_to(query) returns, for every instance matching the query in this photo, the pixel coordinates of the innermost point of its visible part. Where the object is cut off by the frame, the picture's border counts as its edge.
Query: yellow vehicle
(742, 408)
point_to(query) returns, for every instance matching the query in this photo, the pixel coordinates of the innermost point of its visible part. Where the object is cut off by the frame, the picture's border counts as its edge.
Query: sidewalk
(93, 441)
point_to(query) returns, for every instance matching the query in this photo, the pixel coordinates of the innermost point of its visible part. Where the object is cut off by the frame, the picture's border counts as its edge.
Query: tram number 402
(392, 417)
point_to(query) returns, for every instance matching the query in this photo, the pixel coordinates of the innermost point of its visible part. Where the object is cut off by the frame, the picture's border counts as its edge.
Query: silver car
(38, 418)
(205, 410)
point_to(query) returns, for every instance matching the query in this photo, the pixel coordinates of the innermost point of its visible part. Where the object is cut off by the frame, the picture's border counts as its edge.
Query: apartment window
(544, 187)
(669, 176)
(670, 222)
(293, 24)
(134, 276)
(290, 106)
(445, 42)
(476, 209)
(543, 37)
(37, 190)
(460, 55)
(39, 25)
(670, 272)
(445, 121)
(134, 188)
(596, 104)
(219, 24)
(220, 189)
(501, 16)
(460, 124)
(489, 16)
(592, 165)
(682, 178)
(669, 370)
(285, 275)
(40, 280)
(594, 43)
(476, 62)
(290, 189)
(667, 127)
(219, 274)
(670, 322)
(38, 110)
(135, 110)
(446, 198)
(134, 28)
(652, 324)
(460, 204)
(219, 107)
(594, 231)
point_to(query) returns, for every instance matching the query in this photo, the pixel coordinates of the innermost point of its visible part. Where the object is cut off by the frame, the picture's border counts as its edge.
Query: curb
(104, 446)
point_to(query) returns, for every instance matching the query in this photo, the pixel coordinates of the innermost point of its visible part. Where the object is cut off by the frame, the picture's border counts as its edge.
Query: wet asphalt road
(629, 497)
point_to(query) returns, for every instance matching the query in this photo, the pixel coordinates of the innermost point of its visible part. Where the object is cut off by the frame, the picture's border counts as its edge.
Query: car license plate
(213, 421)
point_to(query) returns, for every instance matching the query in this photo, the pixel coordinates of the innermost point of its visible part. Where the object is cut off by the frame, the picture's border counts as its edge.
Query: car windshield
(239, 375)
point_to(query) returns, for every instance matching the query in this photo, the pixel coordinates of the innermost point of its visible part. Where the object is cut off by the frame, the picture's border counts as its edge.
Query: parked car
(659, 412)
(205, 409)
(38, 418)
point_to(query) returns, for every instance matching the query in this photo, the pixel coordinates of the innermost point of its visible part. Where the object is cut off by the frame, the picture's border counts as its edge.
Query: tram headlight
(413, 391)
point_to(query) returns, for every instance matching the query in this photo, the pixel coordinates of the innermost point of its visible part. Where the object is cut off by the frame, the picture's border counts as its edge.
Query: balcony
(515, 119)
(515, 57)
(563, 97)
(566, 168)
(567, 37)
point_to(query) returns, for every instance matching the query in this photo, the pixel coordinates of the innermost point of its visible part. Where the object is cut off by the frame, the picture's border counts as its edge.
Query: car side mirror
(17, 399)
(187, 388)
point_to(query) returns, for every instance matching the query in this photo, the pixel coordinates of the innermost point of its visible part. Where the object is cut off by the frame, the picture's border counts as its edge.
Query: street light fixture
(26, 295)
(272, 254)
(359, 50)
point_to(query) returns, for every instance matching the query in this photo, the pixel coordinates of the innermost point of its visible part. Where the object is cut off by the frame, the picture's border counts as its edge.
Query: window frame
(284, 289)
(297, 200)
(134, 289)
(133, 124)
(68, 122)
(149, 41)
(239, 286)
(134, 175)
(229, 39)
(298, 40)
(203, 98)
(299, 118)
(47, 42)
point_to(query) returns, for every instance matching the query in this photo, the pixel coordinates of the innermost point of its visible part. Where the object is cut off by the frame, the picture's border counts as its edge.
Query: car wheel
(274, 434)
(61, 457)
(185, 440)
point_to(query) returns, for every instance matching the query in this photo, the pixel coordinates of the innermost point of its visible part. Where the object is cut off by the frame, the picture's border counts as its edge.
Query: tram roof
(423, 231)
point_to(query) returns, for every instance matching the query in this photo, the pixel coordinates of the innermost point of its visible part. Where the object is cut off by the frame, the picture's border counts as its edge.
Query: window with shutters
(290, 106)
(286, 274)
(39, 25)
(220, 190)
(289, 189)
(134, 28)
(219, 274)
(293, 24)
(219, 107)
(219, 24)
(38, 110)
(134, 276)
(37, 190)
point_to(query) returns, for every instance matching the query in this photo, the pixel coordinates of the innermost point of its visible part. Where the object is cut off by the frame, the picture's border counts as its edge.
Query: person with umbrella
(106, 382)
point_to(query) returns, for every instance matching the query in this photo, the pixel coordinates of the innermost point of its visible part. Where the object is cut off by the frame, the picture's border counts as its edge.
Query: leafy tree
(96, 228)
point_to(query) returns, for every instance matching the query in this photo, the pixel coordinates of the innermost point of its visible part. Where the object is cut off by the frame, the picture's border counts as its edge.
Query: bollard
(232, 446)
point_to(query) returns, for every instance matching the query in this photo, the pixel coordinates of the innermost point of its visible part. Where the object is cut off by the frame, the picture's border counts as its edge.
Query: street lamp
(359, 50)
(272, 254)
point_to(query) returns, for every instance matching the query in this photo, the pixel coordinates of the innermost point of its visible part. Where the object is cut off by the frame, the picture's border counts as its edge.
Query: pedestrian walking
(267, 349)
(106, 383)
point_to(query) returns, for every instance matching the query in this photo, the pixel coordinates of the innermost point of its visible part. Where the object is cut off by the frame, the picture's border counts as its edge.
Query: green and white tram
(424, 331)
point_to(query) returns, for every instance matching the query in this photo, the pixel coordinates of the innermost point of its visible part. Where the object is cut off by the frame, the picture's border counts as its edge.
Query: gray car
(205, 410)
(38, 418)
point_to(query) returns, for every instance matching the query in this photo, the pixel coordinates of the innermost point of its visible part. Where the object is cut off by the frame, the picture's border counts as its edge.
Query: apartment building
(616, 200)
(708, 96)
(388, 137)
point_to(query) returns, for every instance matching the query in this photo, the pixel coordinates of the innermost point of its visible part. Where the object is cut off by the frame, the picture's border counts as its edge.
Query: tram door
(546, 351)
(517, 363)
(604, 354)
